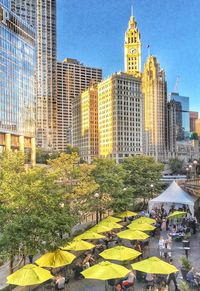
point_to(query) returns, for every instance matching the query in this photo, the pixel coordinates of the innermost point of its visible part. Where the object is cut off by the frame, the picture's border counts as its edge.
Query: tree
(77, 181)
(32, 219)
(176, 166)
(141, 173)
(110, 179)
(194, 136)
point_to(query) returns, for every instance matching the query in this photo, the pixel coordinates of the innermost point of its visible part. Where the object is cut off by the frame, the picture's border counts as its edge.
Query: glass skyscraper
(17, 67)
(42, 15)
(182, 115)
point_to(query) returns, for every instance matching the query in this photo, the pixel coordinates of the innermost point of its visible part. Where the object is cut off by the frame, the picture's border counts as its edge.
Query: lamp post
(190, 169)
(195, 168)
(187, 173)
(151, 187)
(96, 195)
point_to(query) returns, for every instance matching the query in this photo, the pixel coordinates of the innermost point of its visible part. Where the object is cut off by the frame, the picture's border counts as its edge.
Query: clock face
(133, 51)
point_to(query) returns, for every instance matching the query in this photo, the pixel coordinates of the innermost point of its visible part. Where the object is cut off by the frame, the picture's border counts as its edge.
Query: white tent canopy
(173, 195)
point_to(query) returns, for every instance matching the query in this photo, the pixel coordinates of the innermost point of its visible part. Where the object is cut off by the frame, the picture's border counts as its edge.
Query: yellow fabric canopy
(154, 265)
(90, 235)
(111, 219)
(145, 219)
(100, 228)
(141, 226)
(55, 259)
(105, 271)
(120, 253)
(78, 245)
(108, 224)
(127, 213)
(176, 214)
(132, 235)
(29, 275)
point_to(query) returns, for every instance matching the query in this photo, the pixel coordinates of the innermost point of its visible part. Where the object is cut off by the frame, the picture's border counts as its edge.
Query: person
(163, 225)
(172, 277)
(130, 281)
(161, 245)
(191, 277)
(59, 282)
(169, 245)
(149, 279)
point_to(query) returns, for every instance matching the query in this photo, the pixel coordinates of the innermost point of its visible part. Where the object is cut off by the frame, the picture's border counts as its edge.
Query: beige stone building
(155, 109)
(120, 116)
(85, 123)
(72, 79)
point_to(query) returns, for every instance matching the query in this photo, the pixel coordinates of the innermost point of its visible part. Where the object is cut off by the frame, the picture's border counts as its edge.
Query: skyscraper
(193, 117)
(17, 100)
(42, 15)
(85, 123)
(120, 116)
(72, 79)
(132, 49)
(46, 126)
(183, 117)
(155, 109)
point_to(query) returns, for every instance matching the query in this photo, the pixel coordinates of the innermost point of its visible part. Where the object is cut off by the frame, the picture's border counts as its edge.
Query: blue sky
(93, 32)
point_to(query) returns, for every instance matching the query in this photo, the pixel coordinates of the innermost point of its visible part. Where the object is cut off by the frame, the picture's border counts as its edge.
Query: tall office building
(120, 116)
(193, 117)
(42, 15)
(155, 109)
(25, 9)
(171, 128)
(85, 123)
(72, 79)
(46, 127)
(182, 116)
(17, 100)
(132, 49)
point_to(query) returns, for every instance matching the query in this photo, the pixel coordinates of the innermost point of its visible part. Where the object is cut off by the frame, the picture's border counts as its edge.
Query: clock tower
(132, 49)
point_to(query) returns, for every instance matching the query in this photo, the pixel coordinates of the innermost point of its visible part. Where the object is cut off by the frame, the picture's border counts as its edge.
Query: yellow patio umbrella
(127, 213)
(145, 220)
(90, 235)
(29, 275)
(132, 235)
(112, 225)
(55, 259)
(100, 228)
(176, 214)
(105, 271)
(111, 219)
(141, 226)
(154, 265)
(78, 245)
(120, 253)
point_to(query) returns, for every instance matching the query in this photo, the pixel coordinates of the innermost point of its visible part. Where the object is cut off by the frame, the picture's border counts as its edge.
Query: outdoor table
(176, 235)
(186, 251)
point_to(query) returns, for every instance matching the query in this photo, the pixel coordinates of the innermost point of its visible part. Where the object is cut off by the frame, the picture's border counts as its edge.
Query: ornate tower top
(132, 48)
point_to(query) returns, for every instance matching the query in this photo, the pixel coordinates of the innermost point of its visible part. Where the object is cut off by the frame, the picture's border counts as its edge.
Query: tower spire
(132, 10)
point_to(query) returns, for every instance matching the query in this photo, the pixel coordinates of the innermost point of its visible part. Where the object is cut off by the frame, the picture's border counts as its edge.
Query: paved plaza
(95, 285)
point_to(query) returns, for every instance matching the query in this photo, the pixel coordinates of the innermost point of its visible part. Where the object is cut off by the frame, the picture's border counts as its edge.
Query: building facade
(42, 15)
(17, 99)
(120, 117)
(154, 90)
(193, 117)
(132, 49)
(182, 116)
(72, 79)
(85, 124)
(171, 128)
(197, 127)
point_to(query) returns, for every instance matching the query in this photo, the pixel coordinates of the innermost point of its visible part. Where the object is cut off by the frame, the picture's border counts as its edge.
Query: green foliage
(185, 263)
(183, 286)
(176, 166)
(141, 172)
(194, 136)
(110, 179)
(31, 217)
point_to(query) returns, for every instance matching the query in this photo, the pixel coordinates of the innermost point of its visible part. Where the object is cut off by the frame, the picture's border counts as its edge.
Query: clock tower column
(132, 49)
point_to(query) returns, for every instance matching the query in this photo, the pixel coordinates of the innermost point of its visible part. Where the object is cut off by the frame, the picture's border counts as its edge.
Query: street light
(195, 168)
(151, 187)
(96, 195)
(187, 171)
